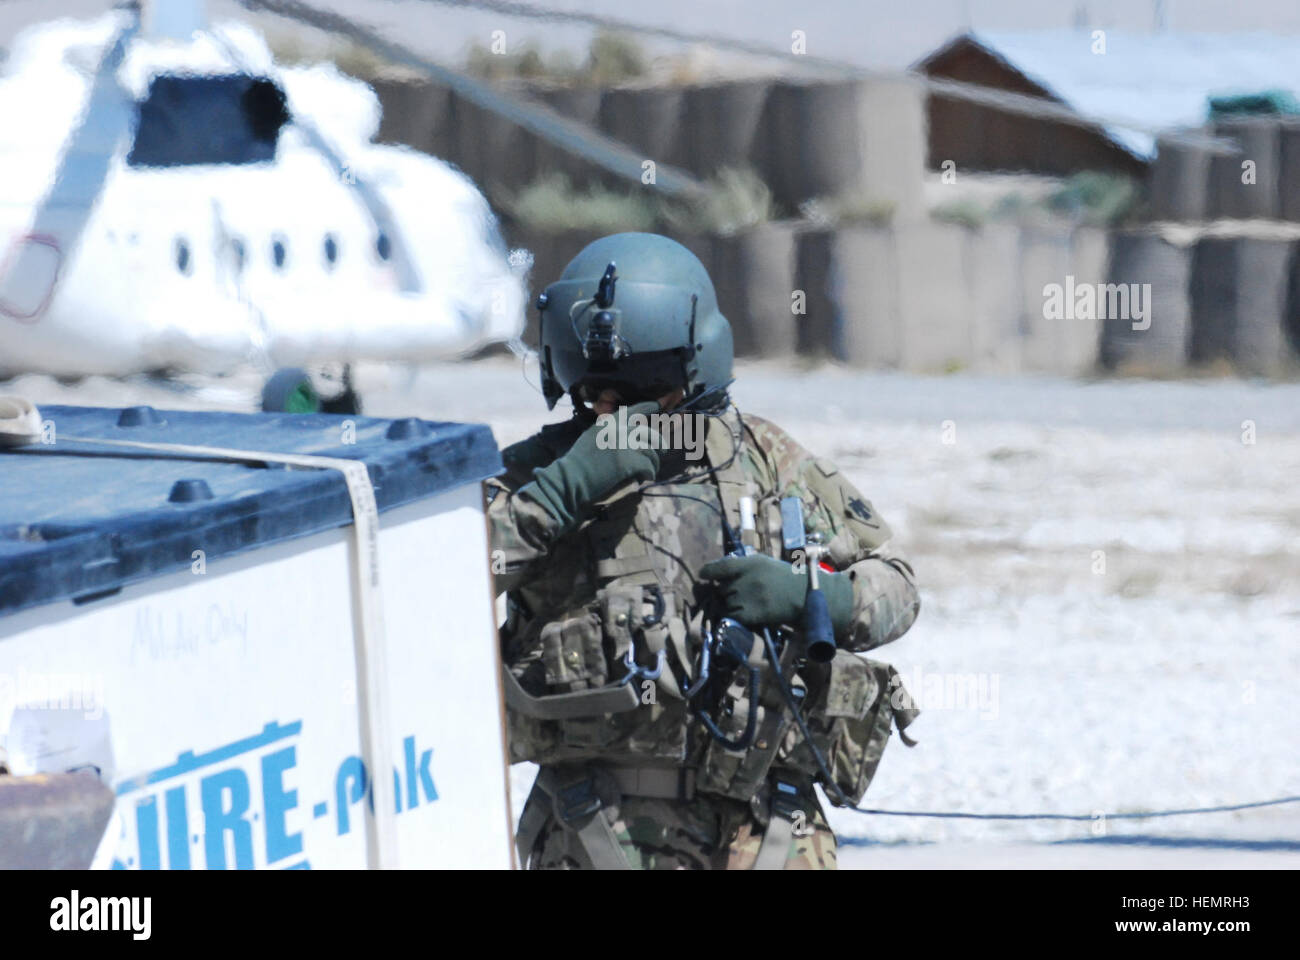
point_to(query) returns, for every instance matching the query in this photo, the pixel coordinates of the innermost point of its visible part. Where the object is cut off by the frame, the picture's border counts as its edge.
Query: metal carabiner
(634, 669)
(652, 594)
(657, 596)
(702, 668)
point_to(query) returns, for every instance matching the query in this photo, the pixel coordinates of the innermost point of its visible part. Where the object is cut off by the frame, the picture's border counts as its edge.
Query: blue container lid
(80, 520)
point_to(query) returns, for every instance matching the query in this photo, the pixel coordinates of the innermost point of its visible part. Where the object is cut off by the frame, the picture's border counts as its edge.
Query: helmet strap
(692, 369)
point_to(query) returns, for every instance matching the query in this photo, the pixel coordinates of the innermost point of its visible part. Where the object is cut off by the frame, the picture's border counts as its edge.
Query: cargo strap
(531, 820)
(372, 699)
(775, 848)
(778, 837)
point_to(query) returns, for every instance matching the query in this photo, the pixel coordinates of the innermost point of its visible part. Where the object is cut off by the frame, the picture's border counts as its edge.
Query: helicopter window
(182, 256)
(184, 120)
(278, 253)
(383, 246)
(331, 250)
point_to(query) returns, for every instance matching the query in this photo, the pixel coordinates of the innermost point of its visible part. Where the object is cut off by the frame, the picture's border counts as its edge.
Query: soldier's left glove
(759, 590)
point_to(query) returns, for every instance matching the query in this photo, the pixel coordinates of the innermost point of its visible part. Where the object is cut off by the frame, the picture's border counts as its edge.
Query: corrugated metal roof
(1154, 81)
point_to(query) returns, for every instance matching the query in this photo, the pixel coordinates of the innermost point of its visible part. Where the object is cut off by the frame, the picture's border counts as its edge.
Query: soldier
(658, 667)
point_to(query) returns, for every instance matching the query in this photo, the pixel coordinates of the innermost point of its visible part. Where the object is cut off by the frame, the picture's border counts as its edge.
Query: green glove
(567, 487)
(544, 447)
(759, 590)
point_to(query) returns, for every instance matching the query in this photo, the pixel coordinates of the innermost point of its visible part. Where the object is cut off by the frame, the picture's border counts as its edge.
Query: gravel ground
(1111, 567)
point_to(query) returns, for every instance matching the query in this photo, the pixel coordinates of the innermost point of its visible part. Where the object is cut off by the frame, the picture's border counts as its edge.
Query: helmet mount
(602, 345)
(605, 292)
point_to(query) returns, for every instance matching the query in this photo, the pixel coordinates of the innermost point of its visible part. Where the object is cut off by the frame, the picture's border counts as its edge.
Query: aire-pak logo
(245, 805)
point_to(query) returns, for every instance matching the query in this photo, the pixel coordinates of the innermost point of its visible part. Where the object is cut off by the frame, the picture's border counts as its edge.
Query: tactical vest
(621, 595)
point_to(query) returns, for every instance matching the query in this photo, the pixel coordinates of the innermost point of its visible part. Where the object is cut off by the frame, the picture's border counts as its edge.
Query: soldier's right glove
(759, 590)
(593, 468)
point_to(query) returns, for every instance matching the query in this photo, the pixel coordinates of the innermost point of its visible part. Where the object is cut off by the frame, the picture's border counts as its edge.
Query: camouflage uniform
(671, 835)
(575, 607)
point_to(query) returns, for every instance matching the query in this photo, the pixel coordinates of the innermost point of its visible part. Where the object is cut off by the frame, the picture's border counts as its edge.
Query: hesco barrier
(582, 105)
(1257, 196)
(1144, 257)
(720, 126)
(934, 297)
(1239, 292)
(1179, 181)
(1289, 170)
(417, 114)
(1198, 181)
(753, 271)
(647, 119)
(806, 138)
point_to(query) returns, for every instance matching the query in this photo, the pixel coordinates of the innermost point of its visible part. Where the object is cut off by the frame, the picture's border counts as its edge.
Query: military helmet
(635, 312)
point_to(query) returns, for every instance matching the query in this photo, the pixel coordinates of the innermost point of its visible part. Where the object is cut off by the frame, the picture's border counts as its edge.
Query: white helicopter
(172, 200)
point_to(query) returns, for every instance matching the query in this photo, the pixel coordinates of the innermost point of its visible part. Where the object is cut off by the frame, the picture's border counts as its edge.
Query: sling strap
(576, 798)
(775, 848)
(585, 792)
(784, 800)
